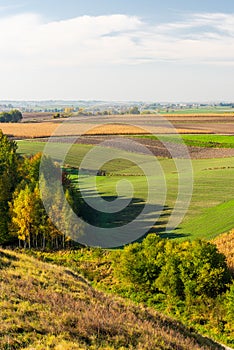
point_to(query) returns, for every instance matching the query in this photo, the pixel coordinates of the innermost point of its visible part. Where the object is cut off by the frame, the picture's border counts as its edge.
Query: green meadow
(211, 209)
(206, 140)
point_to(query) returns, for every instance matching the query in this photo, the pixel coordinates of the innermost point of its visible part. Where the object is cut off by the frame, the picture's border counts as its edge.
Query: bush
(183, 270)
(140, 263)
(230, 307)
(203, 270)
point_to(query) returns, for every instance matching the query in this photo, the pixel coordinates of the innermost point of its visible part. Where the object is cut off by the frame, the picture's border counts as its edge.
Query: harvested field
(123, 124)
(42, 116)
(29, 130)
(46, 129)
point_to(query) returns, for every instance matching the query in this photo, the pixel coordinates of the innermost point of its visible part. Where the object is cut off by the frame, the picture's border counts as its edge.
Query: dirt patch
(162, 150)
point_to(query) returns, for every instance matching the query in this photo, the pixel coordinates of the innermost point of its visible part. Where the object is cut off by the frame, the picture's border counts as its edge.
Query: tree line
(14, 116)
(22, 213)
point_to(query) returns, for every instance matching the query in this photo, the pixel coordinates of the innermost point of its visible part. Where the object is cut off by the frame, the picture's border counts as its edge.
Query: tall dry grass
(225, 244)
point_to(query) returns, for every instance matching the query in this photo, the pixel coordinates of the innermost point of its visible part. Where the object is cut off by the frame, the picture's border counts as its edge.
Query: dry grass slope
(49, 307)
(225, 244)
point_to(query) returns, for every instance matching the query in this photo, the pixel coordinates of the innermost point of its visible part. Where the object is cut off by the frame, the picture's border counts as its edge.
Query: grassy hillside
(211, 209)
(49, 307)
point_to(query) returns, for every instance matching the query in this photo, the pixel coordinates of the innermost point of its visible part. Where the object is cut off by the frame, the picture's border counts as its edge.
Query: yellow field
(46, 129)
(28, 130)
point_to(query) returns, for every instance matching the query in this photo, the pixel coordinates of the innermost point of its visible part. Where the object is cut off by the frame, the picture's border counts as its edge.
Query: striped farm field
(207, 123)
(202, 140)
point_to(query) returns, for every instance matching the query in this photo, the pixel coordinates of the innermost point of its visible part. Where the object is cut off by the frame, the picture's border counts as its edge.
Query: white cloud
(116, 39)
(81, 40)
(105, 57)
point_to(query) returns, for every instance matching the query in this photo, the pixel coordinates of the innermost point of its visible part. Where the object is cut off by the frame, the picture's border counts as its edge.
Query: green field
(198, 110)
(211, 209)
(210, 141)
(77, 153)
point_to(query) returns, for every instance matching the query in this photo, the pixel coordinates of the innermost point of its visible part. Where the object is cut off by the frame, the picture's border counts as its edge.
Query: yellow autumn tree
(25, 211)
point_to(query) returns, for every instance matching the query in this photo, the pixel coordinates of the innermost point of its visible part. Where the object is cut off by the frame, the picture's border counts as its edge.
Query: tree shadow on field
(100, 218)
(160, 227)
(173, 234)
(153, 220)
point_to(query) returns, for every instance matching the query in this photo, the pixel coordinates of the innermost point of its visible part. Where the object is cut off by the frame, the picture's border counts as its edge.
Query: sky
(122, 50)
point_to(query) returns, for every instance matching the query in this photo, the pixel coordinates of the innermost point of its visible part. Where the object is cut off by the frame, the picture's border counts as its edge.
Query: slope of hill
(225, 244)
(49, 307)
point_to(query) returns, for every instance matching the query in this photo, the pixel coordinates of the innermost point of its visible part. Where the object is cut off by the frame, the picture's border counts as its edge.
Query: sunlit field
(211, 209)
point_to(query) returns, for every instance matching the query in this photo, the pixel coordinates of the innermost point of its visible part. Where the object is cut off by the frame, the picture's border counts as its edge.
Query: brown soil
(167, 150)
(99, 129)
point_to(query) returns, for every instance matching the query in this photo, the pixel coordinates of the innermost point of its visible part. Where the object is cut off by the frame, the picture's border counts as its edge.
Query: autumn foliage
(23, 215)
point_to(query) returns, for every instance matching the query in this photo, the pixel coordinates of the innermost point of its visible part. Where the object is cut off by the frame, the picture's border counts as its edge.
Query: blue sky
(150, 9)
(117, 50)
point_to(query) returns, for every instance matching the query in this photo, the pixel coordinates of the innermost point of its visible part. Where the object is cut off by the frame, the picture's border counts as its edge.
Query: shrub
(184, 270)
(140, 263)
(203, 270)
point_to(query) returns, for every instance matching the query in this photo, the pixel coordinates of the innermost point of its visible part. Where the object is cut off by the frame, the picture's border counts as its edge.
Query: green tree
(8, 181)
(13, 116)
(203, 269)
(230, 308)
(169, 281)
(30, 222)
(184, 270)
(140, 263)
(134, 110)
